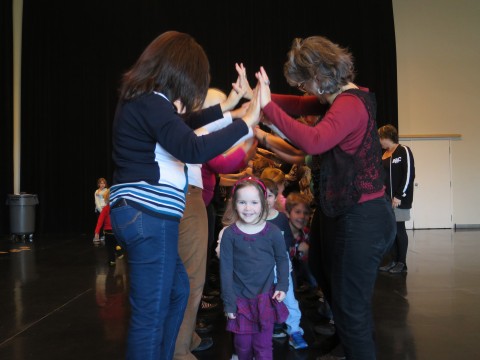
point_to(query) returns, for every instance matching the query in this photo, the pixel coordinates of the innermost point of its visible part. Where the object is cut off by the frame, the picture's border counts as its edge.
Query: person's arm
(203, 117)
(287, 232)
(219, 240)
(234, 97)
(172, 131)
(344, 123)
(280, 147)
(98, 206)
(290, 159)
(234, 159)
(215, 125)
(406, 173)
(281, 259)
(226, 273)
(297, 106)
(230, 179)
(345, 116)
(274, 143)
(228, 162)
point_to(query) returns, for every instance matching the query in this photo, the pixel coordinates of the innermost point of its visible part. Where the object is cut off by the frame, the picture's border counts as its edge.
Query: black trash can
(22, 214)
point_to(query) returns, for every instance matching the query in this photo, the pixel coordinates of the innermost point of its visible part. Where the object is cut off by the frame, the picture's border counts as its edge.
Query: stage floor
(60, 300)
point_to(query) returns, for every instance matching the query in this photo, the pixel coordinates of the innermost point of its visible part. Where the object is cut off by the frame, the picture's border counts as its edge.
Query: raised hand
(233, 98)
(264, 82)
(242, 85)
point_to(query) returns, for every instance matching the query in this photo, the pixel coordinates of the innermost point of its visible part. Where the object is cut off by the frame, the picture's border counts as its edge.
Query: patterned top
(247, 264)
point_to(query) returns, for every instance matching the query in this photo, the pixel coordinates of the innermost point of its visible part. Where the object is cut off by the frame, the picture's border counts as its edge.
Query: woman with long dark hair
(152, 141)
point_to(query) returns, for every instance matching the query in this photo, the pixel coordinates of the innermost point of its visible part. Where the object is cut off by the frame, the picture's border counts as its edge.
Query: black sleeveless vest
(339, 178)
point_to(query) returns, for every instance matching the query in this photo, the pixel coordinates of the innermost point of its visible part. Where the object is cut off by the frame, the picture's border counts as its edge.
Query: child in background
(100, 201)
(297, 209)
(110, 241)
(294, 330)
(99, 195)
(250, 250)
(278, 178)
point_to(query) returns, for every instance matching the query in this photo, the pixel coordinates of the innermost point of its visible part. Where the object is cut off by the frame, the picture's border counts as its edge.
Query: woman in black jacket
(399, 168)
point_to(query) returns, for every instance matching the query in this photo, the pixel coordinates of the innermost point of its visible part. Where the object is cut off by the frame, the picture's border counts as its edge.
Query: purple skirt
(254, 314)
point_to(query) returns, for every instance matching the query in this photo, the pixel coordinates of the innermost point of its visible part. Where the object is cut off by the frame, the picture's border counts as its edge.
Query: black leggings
(400, 246)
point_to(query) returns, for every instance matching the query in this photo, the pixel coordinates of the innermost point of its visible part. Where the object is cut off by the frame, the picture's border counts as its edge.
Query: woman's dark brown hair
(318, 58)
(173, 64)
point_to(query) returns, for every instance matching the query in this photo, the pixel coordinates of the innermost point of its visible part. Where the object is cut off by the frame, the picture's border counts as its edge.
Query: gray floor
(59, 300)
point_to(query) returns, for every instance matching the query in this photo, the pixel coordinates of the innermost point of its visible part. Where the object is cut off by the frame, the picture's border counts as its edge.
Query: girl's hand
(396, 202)
(97, 236)
(231, 316)
(279, 295)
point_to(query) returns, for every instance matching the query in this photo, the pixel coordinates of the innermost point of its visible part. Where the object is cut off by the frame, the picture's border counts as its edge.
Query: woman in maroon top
(354, 224)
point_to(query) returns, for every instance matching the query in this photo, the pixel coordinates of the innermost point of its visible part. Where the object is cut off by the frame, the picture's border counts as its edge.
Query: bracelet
(265, 140)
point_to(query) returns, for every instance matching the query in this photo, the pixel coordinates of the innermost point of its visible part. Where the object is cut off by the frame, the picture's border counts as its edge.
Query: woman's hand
(242, 85)
(264, 82)
(279, 295)
(233, 98)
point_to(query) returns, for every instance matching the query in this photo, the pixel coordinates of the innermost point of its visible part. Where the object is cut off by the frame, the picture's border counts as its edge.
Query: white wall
(438, 69)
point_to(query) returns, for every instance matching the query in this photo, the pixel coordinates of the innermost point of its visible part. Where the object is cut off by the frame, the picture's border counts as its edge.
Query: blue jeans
(159, 285)
(294, 313)
(351, 248)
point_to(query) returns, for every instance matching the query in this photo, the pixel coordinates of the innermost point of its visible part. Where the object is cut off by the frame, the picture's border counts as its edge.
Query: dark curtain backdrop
(75, 53)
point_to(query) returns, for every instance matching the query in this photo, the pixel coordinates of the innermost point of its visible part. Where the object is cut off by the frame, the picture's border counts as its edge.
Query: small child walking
(294, 331)
(250, 250)
(103, 221)
(99, 195)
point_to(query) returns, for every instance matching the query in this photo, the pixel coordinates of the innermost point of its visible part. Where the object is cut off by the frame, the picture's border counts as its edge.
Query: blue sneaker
(297, 341)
